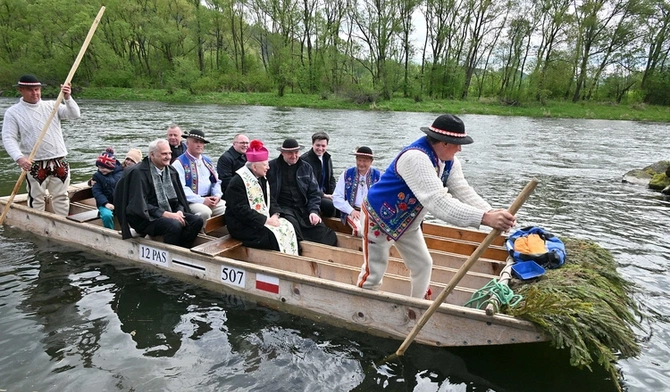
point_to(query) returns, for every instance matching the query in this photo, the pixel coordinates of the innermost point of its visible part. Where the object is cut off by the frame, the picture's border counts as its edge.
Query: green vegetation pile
(585, 306)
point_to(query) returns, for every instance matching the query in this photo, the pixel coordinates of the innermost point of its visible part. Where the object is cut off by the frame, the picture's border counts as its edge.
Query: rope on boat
(493, 289)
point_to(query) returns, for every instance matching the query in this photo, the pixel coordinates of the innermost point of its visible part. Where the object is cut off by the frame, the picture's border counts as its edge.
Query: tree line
(511, 50)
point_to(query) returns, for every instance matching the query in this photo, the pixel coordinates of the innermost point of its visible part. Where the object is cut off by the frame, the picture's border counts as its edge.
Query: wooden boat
(320, 284)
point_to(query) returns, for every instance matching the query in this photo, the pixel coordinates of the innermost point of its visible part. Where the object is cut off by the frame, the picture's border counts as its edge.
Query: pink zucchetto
(257, 152)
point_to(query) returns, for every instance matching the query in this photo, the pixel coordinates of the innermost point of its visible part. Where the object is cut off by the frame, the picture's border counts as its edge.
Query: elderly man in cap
(424, 177)
(150, 199)
(174, 137)
(232, 160)
(293, 185)
(21, 128)
(352, 188)
(198, 177)
(252, 215)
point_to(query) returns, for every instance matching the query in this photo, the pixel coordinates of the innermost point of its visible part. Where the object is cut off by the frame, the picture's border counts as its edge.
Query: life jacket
(533, 243)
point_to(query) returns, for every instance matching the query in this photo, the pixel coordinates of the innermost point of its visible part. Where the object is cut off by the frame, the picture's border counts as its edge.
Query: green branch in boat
(584, 306)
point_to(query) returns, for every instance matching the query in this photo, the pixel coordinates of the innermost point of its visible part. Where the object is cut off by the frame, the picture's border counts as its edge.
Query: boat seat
(217, 246)
(85, 216)
(214, 223)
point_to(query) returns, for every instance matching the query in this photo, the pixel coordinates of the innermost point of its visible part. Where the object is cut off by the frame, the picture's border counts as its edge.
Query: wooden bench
(217, 246)
(85, 216)
(214, 223)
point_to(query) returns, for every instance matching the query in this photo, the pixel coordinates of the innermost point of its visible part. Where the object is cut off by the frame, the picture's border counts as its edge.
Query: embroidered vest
(351, 182)
(191, 172)
(390, 203)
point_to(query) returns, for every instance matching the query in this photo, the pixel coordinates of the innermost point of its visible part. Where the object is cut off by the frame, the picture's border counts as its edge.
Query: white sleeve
(190, 196)
(419, 174)
(69, 110)
(216, 188)
(10, 135)
(338, 196)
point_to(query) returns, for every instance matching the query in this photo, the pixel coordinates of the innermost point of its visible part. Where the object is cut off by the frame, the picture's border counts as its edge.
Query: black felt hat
(197, 134)
(290, 145)
(449, 129)
(29, 81)
(364, 151)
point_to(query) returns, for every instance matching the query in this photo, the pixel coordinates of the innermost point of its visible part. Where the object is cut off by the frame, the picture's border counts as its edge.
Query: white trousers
(206, 212)
(53, 187)
(411, 246)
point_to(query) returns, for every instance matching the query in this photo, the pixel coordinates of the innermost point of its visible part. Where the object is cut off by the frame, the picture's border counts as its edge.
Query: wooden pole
(68, 80)
(525, 193)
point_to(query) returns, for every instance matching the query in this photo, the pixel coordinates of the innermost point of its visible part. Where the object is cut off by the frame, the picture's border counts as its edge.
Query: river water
(73, 321)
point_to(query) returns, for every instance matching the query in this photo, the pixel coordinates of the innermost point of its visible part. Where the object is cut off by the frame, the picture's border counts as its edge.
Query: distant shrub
(116, 78)
(205, 84)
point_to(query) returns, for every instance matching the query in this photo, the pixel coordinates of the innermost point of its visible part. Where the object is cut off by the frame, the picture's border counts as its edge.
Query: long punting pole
(82, 51)
(525, 193)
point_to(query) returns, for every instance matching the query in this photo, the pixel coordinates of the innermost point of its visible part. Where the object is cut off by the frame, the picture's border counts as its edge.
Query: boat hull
(379, 313)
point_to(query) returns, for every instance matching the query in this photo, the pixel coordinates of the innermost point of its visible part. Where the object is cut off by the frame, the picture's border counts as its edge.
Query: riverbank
(554, 109)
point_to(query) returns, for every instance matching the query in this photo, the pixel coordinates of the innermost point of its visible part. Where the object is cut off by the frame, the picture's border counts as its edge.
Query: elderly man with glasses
(232, 160)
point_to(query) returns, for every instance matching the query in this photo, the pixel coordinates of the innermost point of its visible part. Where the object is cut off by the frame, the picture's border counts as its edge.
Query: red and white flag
(267, 283)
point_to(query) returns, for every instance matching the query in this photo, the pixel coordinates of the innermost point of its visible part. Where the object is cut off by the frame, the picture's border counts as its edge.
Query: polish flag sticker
(267, 283)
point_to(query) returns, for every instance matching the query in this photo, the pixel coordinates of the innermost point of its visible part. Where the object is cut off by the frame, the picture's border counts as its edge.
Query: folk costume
(198, 177)
(408, 189)
(297, 194)
(229, 162)
(352, 188)
(104, 185)
(50, 170)
(250, 204)
(323, 173)
(141, 197)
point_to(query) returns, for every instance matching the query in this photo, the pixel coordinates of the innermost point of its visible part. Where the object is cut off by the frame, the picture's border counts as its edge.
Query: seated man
(319, 159)
(232, 160)
(177, 146)
(150, 199)
(293, 185)
(198, 178)
(252, 215)
(352, 188)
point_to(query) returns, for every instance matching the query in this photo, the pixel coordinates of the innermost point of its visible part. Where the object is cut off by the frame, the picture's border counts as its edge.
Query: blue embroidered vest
(191, 172)
(390, 203)
(351, 183)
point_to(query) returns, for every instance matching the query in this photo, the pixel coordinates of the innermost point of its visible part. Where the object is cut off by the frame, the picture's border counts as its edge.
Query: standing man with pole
(23, 122)
(424, 177)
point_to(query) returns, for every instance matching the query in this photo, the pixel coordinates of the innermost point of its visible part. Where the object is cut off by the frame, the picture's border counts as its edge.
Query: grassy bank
(553, 109)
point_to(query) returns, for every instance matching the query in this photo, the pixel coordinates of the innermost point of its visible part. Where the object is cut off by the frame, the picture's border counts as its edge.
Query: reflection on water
(79, 322)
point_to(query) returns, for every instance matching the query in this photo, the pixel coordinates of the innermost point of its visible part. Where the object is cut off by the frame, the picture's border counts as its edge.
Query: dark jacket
(314, 161)
(229, 162)
(177, 151)
(135, 195)
(103, 189)
(243, 222)
(306, 183)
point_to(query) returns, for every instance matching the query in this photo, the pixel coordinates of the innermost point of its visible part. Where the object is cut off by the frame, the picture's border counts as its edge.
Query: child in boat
(104, 181)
